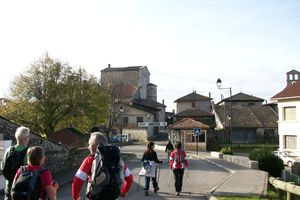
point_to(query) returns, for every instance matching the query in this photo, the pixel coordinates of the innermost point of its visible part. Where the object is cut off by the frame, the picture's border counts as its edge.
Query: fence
(284, 186)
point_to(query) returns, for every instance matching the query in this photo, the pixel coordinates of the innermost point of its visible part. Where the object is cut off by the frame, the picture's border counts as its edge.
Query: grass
(271, 195)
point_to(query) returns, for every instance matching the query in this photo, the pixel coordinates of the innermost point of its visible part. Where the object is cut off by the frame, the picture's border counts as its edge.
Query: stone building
(135, 107)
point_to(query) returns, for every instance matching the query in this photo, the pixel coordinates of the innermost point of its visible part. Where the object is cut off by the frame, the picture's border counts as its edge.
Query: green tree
(50, 95)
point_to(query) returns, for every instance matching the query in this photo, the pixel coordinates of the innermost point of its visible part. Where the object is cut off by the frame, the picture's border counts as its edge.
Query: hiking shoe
(156, 189)
(177, 194)
(146, 193)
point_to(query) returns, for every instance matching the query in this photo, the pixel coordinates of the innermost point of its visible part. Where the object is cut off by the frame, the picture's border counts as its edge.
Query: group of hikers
(107, 176)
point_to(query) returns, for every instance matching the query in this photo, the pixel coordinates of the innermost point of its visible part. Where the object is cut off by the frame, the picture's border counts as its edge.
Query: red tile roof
(188, 124)
(290, 91)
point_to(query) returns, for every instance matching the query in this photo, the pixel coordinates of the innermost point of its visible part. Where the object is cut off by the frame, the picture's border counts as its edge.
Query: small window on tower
(291, 77)
(296, 77)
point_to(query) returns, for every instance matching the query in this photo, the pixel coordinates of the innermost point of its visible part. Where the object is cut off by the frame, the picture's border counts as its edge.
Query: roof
(249, 116)
(193, 112)
(130, 68)
(242, 97)
(193, 97)
(148, 103)
(151, 84)
(293, 72)
(291, 91)
(128, 91)
(188, 124)
(69, 130)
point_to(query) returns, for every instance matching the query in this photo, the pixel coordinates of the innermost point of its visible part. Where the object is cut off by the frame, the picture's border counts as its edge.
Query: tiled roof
(291, 90)
(193, 97)
(249, 116)
(128, 91)
(242, 97)
(148, 103)
(193, 112)
(188, 124)
(70, 130)
(130, 68)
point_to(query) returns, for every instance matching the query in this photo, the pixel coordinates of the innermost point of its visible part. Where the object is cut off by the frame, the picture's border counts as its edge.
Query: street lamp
(219, 85)
(121, 109)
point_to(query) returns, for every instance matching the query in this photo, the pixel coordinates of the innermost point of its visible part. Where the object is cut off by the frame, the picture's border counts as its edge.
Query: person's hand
(55, 185)
(161, 162)
(123, 194)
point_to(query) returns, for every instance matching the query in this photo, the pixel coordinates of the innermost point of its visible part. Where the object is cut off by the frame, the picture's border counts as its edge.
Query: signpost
(197, 132)
(151, 124)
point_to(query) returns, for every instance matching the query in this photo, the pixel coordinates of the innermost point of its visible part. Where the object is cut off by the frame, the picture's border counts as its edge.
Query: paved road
(203, 176)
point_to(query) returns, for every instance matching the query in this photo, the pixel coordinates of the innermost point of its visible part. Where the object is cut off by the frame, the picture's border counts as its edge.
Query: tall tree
(51, 95)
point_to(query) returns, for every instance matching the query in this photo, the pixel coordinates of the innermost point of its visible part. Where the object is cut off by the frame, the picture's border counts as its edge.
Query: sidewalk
(64, 177)
(242, 181)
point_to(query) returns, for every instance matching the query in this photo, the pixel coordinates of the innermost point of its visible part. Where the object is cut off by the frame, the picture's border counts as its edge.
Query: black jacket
(151, 156)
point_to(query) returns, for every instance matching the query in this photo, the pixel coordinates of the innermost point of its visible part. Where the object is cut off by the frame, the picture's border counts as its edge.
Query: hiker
(178, 162)
(169, 149)
(14, 157)
(43, 188)
(97, 141)
(148, 156)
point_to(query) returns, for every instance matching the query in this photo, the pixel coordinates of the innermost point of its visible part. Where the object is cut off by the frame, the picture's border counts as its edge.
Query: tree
(50, 95)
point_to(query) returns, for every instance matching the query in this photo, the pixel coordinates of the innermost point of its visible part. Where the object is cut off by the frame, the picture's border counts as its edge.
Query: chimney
(108, 65)
(209, 95)
(163, 101)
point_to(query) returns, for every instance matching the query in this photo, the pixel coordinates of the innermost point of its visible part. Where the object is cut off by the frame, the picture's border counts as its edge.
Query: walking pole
(158, 173)
(169, 182)
(188, 180)
(138, 185)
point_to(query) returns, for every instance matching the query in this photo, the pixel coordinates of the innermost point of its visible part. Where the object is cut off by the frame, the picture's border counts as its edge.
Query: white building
(289, 115)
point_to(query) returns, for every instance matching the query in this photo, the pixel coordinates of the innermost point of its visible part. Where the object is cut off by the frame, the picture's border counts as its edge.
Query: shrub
(226, 150)
(267, 161)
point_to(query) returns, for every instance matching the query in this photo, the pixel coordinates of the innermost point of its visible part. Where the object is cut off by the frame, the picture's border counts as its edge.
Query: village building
(289, 113)
(251, 122)
(135, 107)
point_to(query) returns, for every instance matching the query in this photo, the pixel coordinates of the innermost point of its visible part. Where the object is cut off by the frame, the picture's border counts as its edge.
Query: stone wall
(58, 157)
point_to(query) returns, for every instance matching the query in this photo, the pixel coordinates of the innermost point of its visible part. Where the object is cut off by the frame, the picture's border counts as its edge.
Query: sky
(186, 45)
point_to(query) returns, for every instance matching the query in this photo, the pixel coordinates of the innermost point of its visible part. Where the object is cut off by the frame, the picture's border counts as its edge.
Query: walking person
(169, 149)
(14, 157)
(150, 155)
(86, 171)
(44, 188)
(178, 162)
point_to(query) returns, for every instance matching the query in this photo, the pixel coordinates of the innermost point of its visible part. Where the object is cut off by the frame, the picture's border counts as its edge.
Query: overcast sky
(186, 45)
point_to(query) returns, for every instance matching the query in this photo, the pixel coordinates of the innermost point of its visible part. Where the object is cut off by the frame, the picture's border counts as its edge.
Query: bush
(226, 150)
(267, 161)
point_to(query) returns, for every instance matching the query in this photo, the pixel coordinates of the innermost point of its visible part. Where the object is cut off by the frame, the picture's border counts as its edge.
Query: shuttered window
(289, 113)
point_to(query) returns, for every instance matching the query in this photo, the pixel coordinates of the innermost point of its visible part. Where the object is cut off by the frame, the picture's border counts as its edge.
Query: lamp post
(219, 85)
(121, 109)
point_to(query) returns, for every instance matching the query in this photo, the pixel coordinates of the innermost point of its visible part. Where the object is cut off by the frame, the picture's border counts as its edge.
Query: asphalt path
(200, 178)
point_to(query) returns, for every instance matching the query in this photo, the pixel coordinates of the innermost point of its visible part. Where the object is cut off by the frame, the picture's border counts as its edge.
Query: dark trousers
(147, 183)
(7, 191)
(178, 176)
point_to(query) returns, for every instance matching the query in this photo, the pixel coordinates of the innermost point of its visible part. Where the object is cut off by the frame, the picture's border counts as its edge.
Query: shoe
(177, 194)
(156, 189)
(146, 193)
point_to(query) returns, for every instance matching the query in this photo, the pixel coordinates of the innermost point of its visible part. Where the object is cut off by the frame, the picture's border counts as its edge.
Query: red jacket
(84, 173)
(178, 159)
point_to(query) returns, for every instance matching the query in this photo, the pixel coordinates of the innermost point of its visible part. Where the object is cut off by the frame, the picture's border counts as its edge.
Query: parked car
(117, 138)
(286, 156)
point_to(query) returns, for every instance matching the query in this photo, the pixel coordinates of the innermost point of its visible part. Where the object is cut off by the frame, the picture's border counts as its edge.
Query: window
(139, 119)
(290, 142)
(125, 121)
(296, 77)
(289, 113)
(291, 77)
(193, 104)
(201, 138)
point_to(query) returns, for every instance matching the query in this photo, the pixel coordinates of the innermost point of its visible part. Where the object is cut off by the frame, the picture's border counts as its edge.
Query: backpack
(177, 159)
(107, 174)
(13, 162)
(147, 166)
(27, 186)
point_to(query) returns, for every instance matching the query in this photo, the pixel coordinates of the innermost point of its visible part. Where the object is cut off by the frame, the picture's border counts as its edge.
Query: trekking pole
(138, 185)
(169, 182)
(188, 180)
(158, 173)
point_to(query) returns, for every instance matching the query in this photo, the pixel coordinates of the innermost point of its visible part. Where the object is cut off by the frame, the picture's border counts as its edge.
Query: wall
(144, 79)
(137, 134)
(57, 157)
(203, 105)
(288, 127)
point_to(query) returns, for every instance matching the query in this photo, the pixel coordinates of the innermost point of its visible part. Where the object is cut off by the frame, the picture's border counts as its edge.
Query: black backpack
(27, 186)
(13, 162)
(107, 174)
